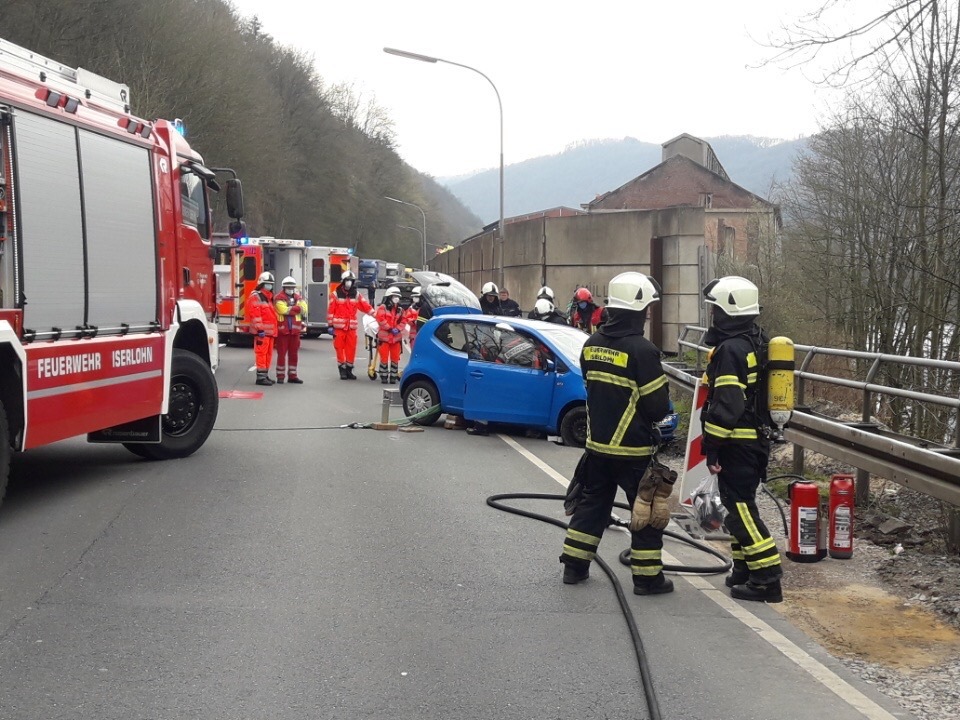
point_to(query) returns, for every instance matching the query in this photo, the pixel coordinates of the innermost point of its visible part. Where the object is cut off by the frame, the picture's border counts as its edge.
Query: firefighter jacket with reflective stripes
(733, 379)
(390, 319)
(342, 311)
(291, 323)
(627, 394)
(261, 313)
(410, 316)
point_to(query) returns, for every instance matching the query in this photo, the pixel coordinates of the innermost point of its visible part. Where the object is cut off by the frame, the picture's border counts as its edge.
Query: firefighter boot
(294, 380)
(738, 576)
(574, 573)
(770, 593)
(262, 378)
(350, 375)
(342, 367)
(656, 585)
(394, 373)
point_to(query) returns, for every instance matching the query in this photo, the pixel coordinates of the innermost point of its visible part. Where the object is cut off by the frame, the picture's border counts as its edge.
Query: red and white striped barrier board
(694, 461)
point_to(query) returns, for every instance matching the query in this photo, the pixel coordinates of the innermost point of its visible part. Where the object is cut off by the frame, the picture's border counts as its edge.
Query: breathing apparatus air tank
(780, 367)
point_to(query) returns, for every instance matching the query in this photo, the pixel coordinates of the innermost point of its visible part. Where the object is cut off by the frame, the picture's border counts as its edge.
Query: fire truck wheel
(5, 452)
(191, 413)
(573, 427)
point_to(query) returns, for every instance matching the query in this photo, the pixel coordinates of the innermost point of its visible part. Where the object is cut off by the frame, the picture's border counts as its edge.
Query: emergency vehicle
(106, 274)
(238, 264)
(325, 267)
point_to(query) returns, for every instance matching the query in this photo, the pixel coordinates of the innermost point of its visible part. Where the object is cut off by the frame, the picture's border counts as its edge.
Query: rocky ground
(891, 613)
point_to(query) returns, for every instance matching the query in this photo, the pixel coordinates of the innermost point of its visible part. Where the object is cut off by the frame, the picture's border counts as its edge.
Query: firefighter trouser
(263, 352)
(601, 479)
(345, 343)
(288, 353)
(389, 361)
(752, 547)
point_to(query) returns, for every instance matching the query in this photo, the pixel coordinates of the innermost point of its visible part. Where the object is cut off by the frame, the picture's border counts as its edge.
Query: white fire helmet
(392, 292)
(489, 289)
(543, 307)
(632, 291)
(265, 277)
(734, 295)
(547, 293)
(289, 283)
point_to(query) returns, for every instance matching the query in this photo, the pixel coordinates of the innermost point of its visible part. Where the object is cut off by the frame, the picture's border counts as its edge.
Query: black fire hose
(645, 674)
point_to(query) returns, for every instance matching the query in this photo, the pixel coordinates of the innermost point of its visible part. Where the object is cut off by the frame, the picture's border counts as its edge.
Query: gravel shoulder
(891, 613)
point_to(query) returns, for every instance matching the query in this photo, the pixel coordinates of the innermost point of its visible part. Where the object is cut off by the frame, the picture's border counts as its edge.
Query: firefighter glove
(395, 331)
(575, 488)
(294, 310)
(660, 508)
(643, 504)
(330, 330)
(713, 456)
(261, 334)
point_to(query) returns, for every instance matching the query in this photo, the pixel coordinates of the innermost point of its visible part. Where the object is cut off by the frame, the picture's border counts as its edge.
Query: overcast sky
(566, 71)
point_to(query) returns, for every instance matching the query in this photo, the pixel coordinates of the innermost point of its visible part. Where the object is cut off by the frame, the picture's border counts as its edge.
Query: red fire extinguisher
(804, 543)
(841, 516)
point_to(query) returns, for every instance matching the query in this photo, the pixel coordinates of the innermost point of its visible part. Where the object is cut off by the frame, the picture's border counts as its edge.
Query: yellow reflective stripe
(747, 519)
(760, 547)
(653, 385)
(716, 430)
(724, 380)
(582, 537)
(607, 355)
(631, 408)
(618, 450)
(743, 434)
(764, 563)
(645, 554)
(578, 553)
(751, 360)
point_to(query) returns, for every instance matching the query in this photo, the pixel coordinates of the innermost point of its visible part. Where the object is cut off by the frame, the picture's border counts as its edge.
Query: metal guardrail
(912, 462)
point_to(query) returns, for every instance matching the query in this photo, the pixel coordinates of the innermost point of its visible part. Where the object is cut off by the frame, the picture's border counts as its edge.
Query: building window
(706, 200)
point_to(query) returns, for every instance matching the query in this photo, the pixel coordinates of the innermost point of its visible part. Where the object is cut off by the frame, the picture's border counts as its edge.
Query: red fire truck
(106, 271)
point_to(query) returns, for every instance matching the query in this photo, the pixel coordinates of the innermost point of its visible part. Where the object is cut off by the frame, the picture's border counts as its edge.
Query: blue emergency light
(180, 127)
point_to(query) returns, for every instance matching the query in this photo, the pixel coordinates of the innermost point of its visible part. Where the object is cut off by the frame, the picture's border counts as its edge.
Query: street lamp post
(429, 59)
(424, 234)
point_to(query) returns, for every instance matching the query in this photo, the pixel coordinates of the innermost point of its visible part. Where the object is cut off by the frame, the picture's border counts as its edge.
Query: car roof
(541, 327)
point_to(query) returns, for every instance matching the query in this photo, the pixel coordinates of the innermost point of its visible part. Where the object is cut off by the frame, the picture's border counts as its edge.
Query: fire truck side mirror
(234, 198)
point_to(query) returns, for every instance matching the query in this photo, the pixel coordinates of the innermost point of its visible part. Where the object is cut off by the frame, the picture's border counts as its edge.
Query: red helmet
(583, 295)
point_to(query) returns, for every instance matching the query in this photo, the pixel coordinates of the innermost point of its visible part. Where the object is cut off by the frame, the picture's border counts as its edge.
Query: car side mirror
(550, 365)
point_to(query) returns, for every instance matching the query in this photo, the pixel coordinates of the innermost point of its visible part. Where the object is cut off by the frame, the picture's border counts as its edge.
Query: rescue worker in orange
(292, 313)
(412, 314)
(390, 317)
(342, 320)
(263, 324)
(585, 314)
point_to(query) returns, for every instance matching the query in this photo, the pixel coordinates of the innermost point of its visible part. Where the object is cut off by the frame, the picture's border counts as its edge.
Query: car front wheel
(421, 395)
(573, 427)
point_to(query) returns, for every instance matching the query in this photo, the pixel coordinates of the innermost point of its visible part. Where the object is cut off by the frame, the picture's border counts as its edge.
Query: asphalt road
(287, 570)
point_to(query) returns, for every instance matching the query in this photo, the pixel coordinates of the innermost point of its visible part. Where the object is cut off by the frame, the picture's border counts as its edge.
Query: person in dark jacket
(490, 299)
(736, 434)
(509, 307)
(546, 293)
(545, 311)
(626, 394)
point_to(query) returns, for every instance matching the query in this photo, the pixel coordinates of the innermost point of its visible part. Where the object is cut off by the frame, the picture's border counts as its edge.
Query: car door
(504, 381)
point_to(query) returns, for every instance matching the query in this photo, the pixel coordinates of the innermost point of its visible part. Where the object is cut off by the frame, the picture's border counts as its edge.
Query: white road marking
(830, 680)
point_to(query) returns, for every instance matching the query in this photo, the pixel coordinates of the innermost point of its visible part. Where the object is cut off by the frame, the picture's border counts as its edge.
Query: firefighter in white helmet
(627, 394)
(263, 324)
(736, 433)
(490, 299)
(292, 314)
(546, 311)
(545, 293)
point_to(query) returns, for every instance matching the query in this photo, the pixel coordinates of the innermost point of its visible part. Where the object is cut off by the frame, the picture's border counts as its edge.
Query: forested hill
(581, 172)
(314, 160)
